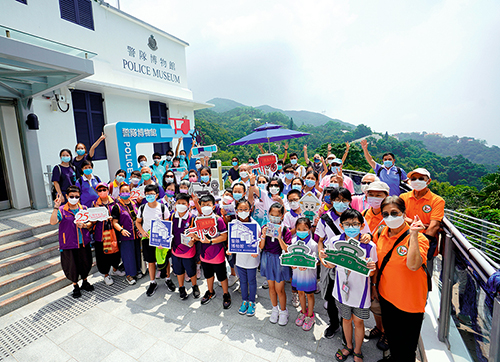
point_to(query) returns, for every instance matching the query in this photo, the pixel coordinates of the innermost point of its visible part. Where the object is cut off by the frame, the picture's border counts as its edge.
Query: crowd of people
(398, 233)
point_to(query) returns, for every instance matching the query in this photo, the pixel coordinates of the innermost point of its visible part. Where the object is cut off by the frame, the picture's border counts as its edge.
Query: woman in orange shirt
(401, 278)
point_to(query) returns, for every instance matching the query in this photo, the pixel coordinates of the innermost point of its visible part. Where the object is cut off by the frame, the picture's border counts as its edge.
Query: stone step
(30, 243)
(18, 234)
(16, 262)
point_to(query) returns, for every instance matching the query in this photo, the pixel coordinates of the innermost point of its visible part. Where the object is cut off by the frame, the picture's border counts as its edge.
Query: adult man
(334, 168)
(245, 171)
(428, 206)
(234, 173)
(316, 165)
(147, 178)
(388, 172)
(158, 166)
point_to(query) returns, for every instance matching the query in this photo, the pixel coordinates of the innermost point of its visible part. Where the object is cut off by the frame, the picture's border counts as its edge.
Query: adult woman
(168, 178)
(401, 278)
(74, 241)
(124, 213)
(82, 155)
(63, 175)
(87, 184)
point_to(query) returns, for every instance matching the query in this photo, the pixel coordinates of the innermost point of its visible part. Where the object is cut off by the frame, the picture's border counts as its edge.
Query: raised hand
(417, 225)
(58, 201)
(364, 144)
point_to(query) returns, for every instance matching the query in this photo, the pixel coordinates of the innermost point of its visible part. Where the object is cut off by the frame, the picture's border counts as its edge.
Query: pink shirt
(359, 203)
(348, 184)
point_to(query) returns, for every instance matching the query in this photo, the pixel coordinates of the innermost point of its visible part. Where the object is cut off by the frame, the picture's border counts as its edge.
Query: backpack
(143, 206)
(53, 191)
(331, 224)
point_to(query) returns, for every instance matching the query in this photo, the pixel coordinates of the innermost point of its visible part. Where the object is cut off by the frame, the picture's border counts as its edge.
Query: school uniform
(270, 266)
(247, 266)
(183, 256)
(213, 256)
(148, 214)
(305, 280)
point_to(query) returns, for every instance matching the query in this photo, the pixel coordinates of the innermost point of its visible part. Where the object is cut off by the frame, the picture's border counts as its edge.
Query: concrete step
(30, 243)
(33, 291)
(17, 262)
(18, 234)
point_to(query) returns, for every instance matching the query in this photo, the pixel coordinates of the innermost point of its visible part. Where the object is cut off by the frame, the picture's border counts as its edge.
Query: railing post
(448, 266)
(484, 236)
(494, 355)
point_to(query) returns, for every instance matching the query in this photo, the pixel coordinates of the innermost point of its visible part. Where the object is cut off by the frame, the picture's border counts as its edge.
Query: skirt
(271, 269)
(304, 280)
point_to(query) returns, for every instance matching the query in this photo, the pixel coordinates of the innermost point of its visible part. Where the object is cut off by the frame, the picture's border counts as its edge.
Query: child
(304, 280)
(212, 256)
(352, 290)
(247, 264)
(270, 266)
(183, 256)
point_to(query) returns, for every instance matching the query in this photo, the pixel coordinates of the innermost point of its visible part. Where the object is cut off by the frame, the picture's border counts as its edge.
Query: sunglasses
(419, 179)
(393, 214)
(102, 190)
(365, 183)
(74, 197)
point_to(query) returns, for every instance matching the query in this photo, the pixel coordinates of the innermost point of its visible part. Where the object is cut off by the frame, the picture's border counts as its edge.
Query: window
(159, 115)
(23, 1)
(78, 12)
(89, 120)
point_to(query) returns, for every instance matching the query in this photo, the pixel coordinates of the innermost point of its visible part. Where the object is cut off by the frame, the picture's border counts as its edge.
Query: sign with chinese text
(160, 234)
(243, 237)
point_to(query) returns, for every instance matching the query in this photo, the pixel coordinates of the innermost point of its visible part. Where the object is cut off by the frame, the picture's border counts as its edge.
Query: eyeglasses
(419, 179)
(393, 214)
(242, 210)
(366, 182)
(293, 200)
(348, 225)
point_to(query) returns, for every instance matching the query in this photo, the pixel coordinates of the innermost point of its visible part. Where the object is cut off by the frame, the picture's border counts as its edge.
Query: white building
(101, 64)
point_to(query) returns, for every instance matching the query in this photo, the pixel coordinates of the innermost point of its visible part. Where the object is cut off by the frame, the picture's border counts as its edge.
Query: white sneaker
(108, 280)
(117, 273)
(283, 317)
(274, 315)
(295, 299)
(232, 279)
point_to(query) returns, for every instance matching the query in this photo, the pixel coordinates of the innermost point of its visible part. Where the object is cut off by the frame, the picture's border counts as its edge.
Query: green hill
(224, 105)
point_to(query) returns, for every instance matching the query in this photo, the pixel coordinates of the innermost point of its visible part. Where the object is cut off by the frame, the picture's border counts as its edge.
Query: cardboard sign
(137, 193)
(310, 205)
(349, 255)
(201, 189)
(92, 214)
(265, 162)
(202, 151)
(160, 234)
(299, 255)
(203, 225)
(273, 230)
(243, 238)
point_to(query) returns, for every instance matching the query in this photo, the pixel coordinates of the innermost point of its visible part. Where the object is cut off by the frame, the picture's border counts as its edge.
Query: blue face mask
(80, 152)
(146, 176)
(352, 231)
(205, 178)
(234, 163)
(262, 186)
(87, 171)
(302, 234)
(335, 169)
(328, 199)
(120, 179)
(317, 160)
(296, 187)
(289, 176)
(237, 196)
(293, 161)
(150, 198)
(310, 183)
(65, 158)
(280, 167)
(387, 164)
(340, 206)
(182, 157)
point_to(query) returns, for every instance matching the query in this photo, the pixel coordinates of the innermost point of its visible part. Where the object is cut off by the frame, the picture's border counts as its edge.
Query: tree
(292, 126)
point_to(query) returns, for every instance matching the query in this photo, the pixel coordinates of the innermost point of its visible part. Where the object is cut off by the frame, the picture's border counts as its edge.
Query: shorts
(149, 252)
(375, 308)
(347, 311)
(209, 270)
(184, 265)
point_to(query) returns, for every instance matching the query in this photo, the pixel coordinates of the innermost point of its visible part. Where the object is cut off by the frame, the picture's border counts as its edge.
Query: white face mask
(294, 205)
(394, 222)
(181, 208)
(418, 185)
(227, 200)
(330, 161)
(135, 180)
(363, 188)
(198, 166)
(374, 201)
(243, 174)
(73, 201)
(334, 185)
(274, 190)
(206, 210)
(243, 215)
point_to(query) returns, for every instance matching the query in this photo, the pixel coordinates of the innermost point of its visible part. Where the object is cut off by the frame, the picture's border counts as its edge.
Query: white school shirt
(324, 231)
(290, 219)
(151, 214)
(247, 261)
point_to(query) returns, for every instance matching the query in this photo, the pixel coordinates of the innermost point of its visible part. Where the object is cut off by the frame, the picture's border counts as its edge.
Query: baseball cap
(420, 171)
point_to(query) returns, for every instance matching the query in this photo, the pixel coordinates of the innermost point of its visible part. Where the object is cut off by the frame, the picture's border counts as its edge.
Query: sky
(396, 66)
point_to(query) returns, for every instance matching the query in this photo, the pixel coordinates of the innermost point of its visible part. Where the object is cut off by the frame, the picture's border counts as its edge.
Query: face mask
(317, 160)
(280, 167)
(170, 193)
(183, 191)
(193, 179)
(388, 164)
(374, 201)
(243, 174)
(340, 206)
(275, 219)
(143, 163)
(297, 187)
(394, 222)
(310, 183)
(169, 180)
(243, 215)
(335, 169)
(156, 161)
(328, 199)
(363, 188)
(205, 178)
(198, 166)
(120, 179)
(135, 180)
(274, 190)
(180, 208)
(65, 158)
(352, 231)
(146, 176)
(294, 205)
(182, 157)
(73, 201)
(169, 158)
(418, 185)
(250, 164)
(289, 175)
(237, 196)
(302, 234)
(227, 200)
(87, 171)
(262, 186)
(206, 210)
(150, 198)
(293, 161)
(330, 161)
(234, 163)
(334, 185)
(80, 152)
(124, 195)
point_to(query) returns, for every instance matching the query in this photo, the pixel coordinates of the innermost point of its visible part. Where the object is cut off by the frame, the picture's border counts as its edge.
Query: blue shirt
(391, 178)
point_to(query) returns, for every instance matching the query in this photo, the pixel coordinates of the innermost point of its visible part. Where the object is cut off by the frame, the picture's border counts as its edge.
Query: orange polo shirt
(430, 207)
(374, 221)
(405, 289)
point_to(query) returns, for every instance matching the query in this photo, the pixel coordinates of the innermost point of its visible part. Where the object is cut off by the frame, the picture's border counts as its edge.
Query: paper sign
(267, 161)
(202, 151)
(185, 240)
(92, 214)
(310, 204)
(160, 234)
(203, 225)
(299, 255)
(137, 193)
(229, 209)
(349, 255)
(273, 230)
(201, 189)
(243, 237)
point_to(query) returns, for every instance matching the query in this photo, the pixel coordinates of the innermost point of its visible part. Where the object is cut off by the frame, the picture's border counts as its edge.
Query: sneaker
(208, 297)
(108, 280)
(226, 301)
(76, 292)
(295, 299)
(182, 293)
(300, 319)
(382, 343)
(139, 275)
(151, 289)
(117, 273)
(198, 271)
(265, 285)
(170, 285)
(130, 280)
(330, 332)
(251, 309)
(244, 307)
(308, 323)
(373, 333)
(232, 279)
(274, 315)
(283, 318)
(196, 292)
(87, 286)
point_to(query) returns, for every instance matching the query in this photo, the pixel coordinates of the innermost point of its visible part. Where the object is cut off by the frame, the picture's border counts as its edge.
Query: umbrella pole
(269, 144)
